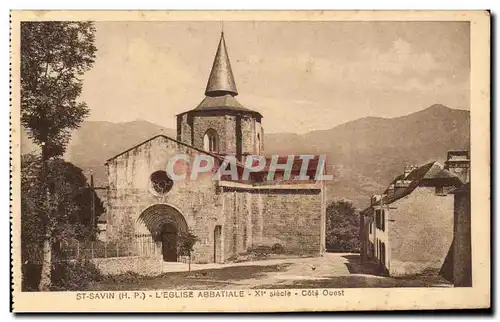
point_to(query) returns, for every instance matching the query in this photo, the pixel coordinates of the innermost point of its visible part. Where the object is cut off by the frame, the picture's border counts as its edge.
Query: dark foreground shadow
(356, 265)
(195, 280)
(359, 281)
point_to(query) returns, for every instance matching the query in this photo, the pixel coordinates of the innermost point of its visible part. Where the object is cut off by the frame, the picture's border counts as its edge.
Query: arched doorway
(164, 223)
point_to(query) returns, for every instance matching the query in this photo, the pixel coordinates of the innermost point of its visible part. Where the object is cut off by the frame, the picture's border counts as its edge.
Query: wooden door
(169, 243)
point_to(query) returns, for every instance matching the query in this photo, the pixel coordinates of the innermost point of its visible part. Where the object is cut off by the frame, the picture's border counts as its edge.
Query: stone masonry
(149, 211)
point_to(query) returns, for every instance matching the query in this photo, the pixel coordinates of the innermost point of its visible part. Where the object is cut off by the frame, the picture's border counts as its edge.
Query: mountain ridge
(364, 155)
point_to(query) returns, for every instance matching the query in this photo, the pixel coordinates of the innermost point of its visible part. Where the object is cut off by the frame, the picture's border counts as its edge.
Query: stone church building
(147, 210)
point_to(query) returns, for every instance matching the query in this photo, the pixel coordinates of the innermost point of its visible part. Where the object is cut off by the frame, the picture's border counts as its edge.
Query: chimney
(408, 169)
(375, 199)
(458, 163)
(390, 190)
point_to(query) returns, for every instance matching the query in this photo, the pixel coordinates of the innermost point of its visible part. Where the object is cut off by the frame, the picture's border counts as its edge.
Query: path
(328, 271)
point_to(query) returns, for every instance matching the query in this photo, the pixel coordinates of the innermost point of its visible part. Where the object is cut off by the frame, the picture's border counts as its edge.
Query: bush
(278, 249)
(342, 227)
(260, 250)
(74, 275)
(31, 276)
(128, 277)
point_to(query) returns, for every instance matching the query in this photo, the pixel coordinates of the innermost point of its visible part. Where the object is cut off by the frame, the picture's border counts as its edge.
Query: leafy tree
(70, 198)
(342, 227)
(69, 202)
(54, 57)
(185, 244)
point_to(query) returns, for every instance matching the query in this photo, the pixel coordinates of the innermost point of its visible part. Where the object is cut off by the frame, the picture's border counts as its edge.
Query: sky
(301, 76)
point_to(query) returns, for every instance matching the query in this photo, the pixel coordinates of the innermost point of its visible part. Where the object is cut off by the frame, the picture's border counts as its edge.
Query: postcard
(250, 161)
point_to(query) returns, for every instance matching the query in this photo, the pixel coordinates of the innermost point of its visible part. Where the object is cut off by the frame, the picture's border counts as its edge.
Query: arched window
(211, 141)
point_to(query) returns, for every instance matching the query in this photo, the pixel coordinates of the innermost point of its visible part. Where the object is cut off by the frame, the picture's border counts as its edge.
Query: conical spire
(221, 80)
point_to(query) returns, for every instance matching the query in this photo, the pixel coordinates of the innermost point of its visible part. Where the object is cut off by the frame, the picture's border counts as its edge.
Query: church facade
(149, 211)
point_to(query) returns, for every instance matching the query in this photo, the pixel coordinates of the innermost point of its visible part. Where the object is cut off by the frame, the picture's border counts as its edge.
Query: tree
(185, 244)
(342, 227)
(54, 57)
(70, 199)
(69, 207)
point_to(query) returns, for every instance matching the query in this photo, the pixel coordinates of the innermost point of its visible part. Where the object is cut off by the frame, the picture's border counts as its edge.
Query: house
(409, 228)
(458, 163)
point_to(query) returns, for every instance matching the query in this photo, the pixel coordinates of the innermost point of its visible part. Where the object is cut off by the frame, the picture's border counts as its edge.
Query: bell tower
(221, 80)
(220, 124)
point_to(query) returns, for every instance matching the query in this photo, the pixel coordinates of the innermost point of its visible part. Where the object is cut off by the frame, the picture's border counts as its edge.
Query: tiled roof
(430, 173)
(221, 77)
(296, 165)
(221, 87)
(222, 103)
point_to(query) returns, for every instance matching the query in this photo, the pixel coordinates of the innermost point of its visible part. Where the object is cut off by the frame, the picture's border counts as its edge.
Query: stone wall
(462, 252)
(192, 129)
(225, 126)
(249, 216)
(292, 219)
(248, 135)
(121, 265)
(265, 217)
(420, 228)
(262, 148)
(237, 229)
(130, 193)
(364, 235)
(185, 128)
(259, 130)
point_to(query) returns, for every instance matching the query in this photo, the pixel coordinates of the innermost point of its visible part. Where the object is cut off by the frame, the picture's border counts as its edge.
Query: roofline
(390, 199)
(366, 210)
(247, 111)
(465, 151)
(298, 186)
(168, 138)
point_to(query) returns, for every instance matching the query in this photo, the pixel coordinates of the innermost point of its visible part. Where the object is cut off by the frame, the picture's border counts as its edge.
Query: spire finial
(222, 26)
(221, 80)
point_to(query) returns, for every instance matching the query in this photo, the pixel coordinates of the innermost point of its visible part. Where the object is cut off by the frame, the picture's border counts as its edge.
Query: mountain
(366, 154)
(97, 141)
(363, 155)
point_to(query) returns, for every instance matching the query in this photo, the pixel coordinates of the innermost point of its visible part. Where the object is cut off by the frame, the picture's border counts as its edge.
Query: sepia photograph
(293, 158)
